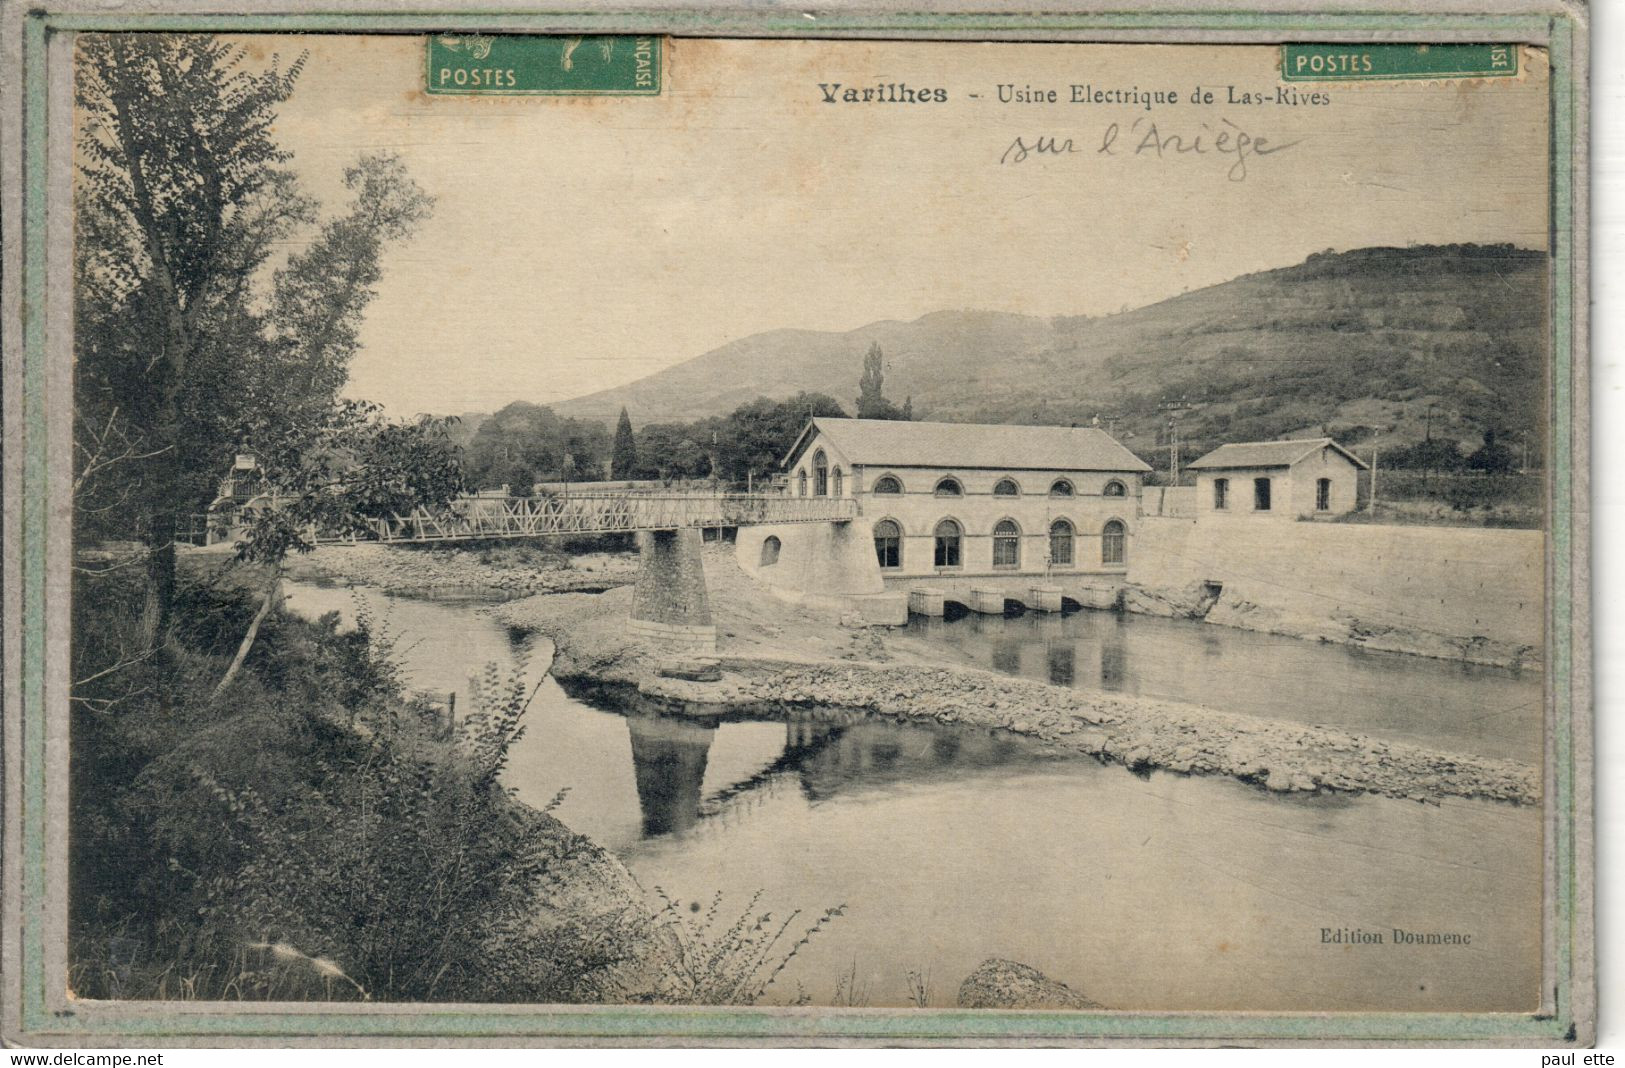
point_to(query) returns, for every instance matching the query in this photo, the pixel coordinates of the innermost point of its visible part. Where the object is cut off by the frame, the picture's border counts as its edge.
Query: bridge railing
(599, 513)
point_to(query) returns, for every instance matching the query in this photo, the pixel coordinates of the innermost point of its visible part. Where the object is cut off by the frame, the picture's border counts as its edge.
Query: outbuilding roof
(1268, 454)
(900, 443)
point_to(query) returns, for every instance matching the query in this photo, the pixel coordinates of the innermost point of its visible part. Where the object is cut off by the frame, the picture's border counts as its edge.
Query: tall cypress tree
(623, 458)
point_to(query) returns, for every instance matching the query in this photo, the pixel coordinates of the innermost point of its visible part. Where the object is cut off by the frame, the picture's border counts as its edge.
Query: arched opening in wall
(820, 474)
(952, 610)
(1006, 545)
(770, 551)
(839, 481)
(1006, 487)
(1323, 494)
(1114, 543)
(1114, 488)
(887, 485)
(948, 536)
(801, 482)
(949, 487)
(1061, 488)
(889, 544)
(1061, 539)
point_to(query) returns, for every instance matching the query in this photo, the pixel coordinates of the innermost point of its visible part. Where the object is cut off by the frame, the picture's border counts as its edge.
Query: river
(947, 847)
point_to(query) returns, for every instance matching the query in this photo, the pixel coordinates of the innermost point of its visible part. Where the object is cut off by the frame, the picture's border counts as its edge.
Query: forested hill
(1374, 336)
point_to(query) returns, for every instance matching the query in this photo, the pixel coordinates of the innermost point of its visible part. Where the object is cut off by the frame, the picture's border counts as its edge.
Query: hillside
(1371, 337)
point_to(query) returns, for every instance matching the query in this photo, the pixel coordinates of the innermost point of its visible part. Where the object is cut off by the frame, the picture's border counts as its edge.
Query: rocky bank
(412, 571)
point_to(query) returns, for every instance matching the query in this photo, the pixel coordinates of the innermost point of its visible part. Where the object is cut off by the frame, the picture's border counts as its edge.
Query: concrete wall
(825, 565)
(1473, 593)
(1090, 591)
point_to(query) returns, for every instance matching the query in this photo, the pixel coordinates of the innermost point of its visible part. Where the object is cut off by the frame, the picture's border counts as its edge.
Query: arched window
(1006, 487)
(801, 482)
(820, 474)
(1114, 488)
(1114, 542)
(948, 537)
(1007, 544)
(1323, 494)
(770, 551)
(1221, 494)
(888, 484)
(950, 487)
(1060, 488)
(1061, 536)
(837, 489)
(889, 544)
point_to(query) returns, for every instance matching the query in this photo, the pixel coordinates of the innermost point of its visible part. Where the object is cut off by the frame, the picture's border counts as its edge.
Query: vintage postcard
(846, 526)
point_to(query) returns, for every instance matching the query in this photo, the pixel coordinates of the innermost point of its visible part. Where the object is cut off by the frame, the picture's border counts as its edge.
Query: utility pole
(1371, 505)
(1174, 410)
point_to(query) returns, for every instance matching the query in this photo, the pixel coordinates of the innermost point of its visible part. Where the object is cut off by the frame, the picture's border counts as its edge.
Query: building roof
(1268, 454)
(899, 443)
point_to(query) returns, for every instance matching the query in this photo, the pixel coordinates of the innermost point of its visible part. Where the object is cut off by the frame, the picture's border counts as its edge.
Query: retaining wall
(1467, 593)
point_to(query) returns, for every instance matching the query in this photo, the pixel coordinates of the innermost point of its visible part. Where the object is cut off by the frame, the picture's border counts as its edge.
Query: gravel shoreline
(409, 571)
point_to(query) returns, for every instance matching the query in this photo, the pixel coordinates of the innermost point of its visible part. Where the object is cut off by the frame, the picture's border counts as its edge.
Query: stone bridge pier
(669, 603)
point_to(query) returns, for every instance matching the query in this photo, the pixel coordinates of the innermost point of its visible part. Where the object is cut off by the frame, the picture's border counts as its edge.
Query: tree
(528, 443)
(623, 460)
(872, 403)
(335, 472)
(756, 436)
(185, 351)
(1492, 458)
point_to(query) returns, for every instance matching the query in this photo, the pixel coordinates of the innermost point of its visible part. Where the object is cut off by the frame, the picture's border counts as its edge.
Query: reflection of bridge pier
(668, 762)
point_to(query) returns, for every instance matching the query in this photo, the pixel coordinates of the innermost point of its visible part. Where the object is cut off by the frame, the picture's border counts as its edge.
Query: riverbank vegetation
(313, 832)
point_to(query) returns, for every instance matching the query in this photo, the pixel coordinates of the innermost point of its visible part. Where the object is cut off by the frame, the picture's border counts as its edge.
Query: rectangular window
(1221, 494)
(1323, 495)
(1261, 494)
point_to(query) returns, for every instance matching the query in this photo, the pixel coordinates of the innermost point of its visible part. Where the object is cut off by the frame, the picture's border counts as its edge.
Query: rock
(691, 668)
(1005, 984)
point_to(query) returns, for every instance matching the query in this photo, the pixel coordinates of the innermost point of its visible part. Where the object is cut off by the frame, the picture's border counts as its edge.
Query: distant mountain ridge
(1442, 339)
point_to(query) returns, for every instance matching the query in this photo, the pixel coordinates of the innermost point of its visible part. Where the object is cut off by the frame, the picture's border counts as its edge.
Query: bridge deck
(527, 517)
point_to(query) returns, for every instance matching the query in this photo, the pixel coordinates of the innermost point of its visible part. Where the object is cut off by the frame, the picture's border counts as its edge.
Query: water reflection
(668, 763)
(1450, 705)
(822, 758)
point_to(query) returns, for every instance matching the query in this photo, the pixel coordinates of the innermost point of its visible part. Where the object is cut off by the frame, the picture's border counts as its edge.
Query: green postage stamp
(733, 525)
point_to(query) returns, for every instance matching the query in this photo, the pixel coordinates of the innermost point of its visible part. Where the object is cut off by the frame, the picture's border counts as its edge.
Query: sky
(581, 242)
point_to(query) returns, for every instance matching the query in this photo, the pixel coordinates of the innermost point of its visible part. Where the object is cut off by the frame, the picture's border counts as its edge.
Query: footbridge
(480, 518)
(670, 606)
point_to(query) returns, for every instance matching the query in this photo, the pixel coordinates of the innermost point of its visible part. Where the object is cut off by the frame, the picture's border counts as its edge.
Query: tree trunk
(266, 602)
(160, 580)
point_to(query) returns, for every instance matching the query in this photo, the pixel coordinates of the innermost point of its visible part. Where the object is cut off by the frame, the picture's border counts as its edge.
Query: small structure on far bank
(1305, 478)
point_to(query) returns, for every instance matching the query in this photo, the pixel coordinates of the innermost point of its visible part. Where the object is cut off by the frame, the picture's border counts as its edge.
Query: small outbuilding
(1304, 478)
